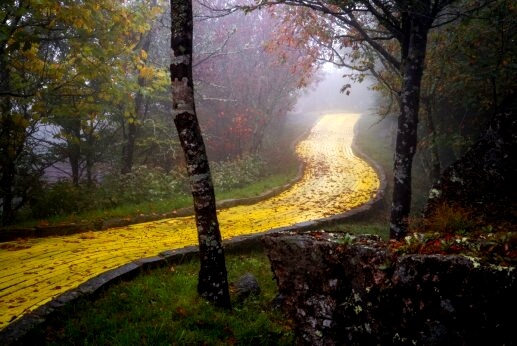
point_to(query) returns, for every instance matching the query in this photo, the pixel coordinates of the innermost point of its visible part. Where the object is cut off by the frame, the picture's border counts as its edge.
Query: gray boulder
(245, 286)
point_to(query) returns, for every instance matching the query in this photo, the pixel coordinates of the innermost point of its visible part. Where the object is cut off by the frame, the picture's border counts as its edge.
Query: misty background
(86, 120)
(325, 95)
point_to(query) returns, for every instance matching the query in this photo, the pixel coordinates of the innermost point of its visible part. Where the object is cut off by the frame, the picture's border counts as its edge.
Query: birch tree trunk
(212, 280)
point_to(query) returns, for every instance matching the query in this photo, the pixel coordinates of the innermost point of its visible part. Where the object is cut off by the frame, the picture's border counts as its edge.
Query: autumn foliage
(247, 80)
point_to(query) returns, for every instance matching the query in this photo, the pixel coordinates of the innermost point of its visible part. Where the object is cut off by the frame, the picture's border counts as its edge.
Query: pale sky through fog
(326, 95)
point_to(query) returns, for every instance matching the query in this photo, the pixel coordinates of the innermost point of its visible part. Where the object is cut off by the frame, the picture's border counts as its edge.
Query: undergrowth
(64, 203)
(455, 230)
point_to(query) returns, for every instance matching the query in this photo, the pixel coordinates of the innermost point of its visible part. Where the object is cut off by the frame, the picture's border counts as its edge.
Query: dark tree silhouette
(212, 281)
(373, 23)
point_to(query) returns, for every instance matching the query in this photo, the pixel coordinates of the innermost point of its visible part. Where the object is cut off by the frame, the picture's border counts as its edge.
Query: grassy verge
(258, 188)
(161, 307)
(165, 206)
(375, 144)
(375, 138)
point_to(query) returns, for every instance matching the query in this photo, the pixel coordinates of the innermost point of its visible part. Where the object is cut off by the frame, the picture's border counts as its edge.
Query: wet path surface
(34, 271)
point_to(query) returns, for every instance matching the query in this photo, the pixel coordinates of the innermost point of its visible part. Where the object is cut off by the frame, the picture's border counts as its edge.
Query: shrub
(143, 184)
(450, 219)
(60, 198)
(237, 173)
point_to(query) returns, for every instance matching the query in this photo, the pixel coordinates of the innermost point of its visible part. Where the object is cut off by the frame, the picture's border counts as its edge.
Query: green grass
(258, 188)
(161, 307)
(161, 207)
(122, 211)
(371, 142)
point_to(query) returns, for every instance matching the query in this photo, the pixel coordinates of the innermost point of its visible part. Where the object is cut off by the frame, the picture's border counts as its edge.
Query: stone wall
(341, 290)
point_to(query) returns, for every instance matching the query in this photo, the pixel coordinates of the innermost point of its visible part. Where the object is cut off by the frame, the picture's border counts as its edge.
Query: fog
(247, 101)
(325, 96)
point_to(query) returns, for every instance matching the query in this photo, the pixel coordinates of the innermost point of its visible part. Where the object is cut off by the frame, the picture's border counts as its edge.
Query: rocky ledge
(344, 290)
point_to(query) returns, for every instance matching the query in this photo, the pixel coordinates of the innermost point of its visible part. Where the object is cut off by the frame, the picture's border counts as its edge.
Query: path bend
(34, 271)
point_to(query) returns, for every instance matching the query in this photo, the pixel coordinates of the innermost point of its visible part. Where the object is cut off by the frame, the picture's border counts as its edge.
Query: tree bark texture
(405, 147)
(74, 149)
(434, 165)
(212, 281)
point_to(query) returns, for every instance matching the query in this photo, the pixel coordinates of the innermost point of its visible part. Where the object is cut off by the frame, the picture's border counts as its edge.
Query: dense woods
(86, 101)
(404, 47)
(85, 92)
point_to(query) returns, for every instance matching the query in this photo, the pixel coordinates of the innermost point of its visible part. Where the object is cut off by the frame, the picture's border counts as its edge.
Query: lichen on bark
(212, 281)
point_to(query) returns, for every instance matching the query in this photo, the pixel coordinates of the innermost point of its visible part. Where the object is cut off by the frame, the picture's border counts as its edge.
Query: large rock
(344, 291)
(484, 180)
(245, 286)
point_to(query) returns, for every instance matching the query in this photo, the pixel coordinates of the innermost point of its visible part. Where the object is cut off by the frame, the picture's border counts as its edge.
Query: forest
(86, 94)
(86, 103)
(125, 109)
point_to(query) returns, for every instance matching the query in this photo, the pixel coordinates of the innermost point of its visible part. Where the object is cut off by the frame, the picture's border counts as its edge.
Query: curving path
(33, 271)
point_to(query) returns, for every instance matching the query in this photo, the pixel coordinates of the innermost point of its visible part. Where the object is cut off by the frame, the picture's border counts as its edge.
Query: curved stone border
(17, 329)
(20, 327)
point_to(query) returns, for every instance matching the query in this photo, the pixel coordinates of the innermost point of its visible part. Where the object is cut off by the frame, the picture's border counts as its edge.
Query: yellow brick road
(34, 271)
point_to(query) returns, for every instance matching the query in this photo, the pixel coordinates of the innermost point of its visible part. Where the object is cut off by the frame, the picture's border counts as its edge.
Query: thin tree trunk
(90, 155)
(74, 149)
(7, 157)
(435, 166)
(212, 281)
(129, 149)
(405, 146)
(6, 185)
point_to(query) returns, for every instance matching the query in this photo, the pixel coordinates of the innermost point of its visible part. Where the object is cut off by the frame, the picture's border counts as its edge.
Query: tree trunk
(434, 164)
(7, 149)
(212, 281)
(90, 155)
(129, 149)
(405, 146)
(74, 149)
(6, 186)
(128, 152)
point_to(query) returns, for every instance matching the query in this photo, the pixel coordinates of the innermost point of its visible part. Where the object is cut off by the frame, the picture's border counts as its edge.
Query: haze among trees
(390, 40)
(85, 90)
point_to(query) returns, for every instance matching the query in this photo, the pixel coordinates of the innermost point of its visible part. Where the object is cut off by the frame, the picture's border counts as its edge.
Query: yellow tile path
(34, 271)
